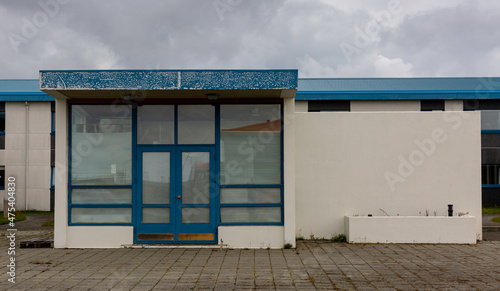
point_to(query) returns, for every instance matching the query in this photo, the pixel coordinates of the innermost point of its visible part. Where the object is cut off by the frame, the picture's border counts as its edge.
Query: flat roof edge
(169, 80)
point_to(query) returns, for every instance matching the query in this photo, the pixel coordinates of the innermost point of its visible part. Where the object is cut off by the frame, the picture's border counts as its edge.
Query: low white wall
(405, 163)
(252, 236)
(99, 236)
(411, 229)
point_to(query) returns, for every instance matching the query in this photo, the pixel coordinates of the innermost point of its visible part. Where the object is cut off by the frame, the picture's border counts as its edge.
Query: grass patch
(19, 217)
(339, 238)
(496, 219)
(38, 212)
(299, 238)
(49, 223)
(288, 246)
(491, 210)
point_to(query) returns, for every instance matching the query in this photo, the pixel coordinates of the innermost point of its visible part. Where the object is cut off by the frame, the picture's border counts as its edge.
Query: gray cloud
(451, 38)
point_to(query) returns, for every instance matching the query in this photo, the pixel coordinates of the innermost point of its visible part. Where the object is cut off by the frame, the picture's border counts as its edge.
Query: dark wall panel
(491, 197)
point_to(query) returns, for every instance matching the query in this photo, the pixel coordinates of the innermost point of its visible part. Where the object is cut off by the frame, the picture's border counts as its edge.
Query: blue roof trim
(398, 88)
(25, 96)
(399, 84)
(169, 80)
(395, 96)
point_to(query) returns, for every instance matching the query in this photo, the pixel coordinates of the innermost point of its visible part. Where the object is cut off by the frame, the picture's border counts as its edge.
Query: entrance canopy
(169, 83)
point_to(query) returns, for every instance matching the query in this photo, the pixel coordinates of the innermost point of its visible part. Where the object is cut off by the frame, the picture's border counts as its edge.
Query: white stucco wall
(254, 237)
(99, 236)
(405, 163)
(385, 105)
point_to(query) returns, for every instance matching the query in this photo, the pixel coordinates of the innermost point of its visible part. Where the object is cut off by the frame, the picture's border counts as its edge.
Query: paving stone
(314, 265)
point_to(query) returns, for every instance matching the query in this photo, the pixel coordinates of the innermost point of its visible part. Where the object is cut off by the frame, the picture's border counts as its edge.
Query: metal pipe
(27, 155)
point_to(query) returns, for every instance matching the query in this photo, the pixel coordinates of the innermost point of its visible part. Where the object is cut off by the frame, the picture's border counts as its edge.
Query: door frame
(175, 226)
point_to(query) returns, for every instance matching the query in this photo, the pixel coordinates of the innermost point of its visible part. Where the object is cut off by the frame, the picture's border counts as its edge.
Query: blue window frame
(101, 160)
(2, 125)
(251, 155)
(2, 178)
(259, 202)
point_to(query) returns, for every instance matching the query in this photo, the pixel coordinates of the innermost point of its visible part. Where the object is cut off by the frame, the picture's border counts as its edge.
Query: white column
(289, 169)
(61, 174)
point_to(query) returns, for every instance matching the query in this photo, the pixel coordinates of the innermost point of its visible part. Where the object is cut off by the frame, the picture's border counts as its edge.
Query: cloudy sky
(320, 38)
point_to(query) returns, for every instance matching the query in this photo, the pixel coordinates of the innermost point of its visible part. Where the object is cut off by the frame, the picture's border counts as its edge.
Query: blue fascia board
(18, 96)
(169, 80)
(396, 95)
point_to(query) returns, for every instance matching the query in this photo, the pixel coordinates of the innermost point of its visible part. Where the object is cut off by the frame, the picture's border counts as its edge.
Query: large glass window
(101, 157)
(250, 155)
(250, 214)
(250, 143)
(101, 215)
(101, 196)
(101, 145)
(250, 195)
(196, 124)
(155, 124)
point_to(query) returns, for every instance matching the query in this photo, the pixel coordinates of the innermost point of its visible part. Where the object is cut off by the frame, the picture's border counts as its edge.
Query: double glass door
(175, 195)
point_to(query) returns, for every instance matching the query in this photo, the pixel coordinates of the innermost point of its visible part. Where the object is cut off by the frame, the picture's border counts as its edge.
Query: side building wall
(38, 161)
(399, 163)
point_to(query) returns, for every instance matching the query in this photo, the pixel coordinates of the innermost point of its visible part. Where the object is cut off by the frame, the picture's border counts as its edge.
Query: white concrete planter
(411, 229)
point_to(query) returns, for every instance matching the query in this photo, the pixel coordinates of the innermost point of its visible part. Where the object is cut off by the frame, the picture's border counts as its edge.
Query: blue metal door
(175, 197)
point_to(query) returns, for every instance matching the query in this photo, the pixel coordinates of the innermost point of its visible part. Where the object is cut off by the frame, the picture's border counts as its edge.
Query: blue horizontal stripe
(395, 95)
(21, 96)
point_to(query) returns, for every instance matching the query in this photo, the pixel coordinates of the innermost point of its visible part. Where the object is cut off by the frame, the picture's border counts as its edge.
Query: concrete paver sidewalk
(313, 265)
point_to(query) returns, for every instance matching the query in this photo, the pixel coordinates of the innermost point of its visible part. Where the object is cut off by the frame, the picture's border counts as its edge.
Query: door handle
(178, 196)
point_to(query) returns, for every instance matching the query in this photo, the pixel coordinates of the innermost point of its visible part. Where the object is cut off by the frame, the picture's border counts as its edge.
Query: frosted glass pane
(195, 177)
(196, 124)
(250, 195)
(156, 178)
(101, 196)
(155, 215)
(250, 144)
(155, 124)
(195, 215)
(490, 119)
(101, 145)
(250, 214)
(101, 215)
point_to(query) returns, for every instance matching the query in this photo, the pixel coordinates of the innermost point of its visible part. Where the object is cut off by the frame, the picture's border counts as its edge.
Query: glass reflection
(156, 178)
(195, 177)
